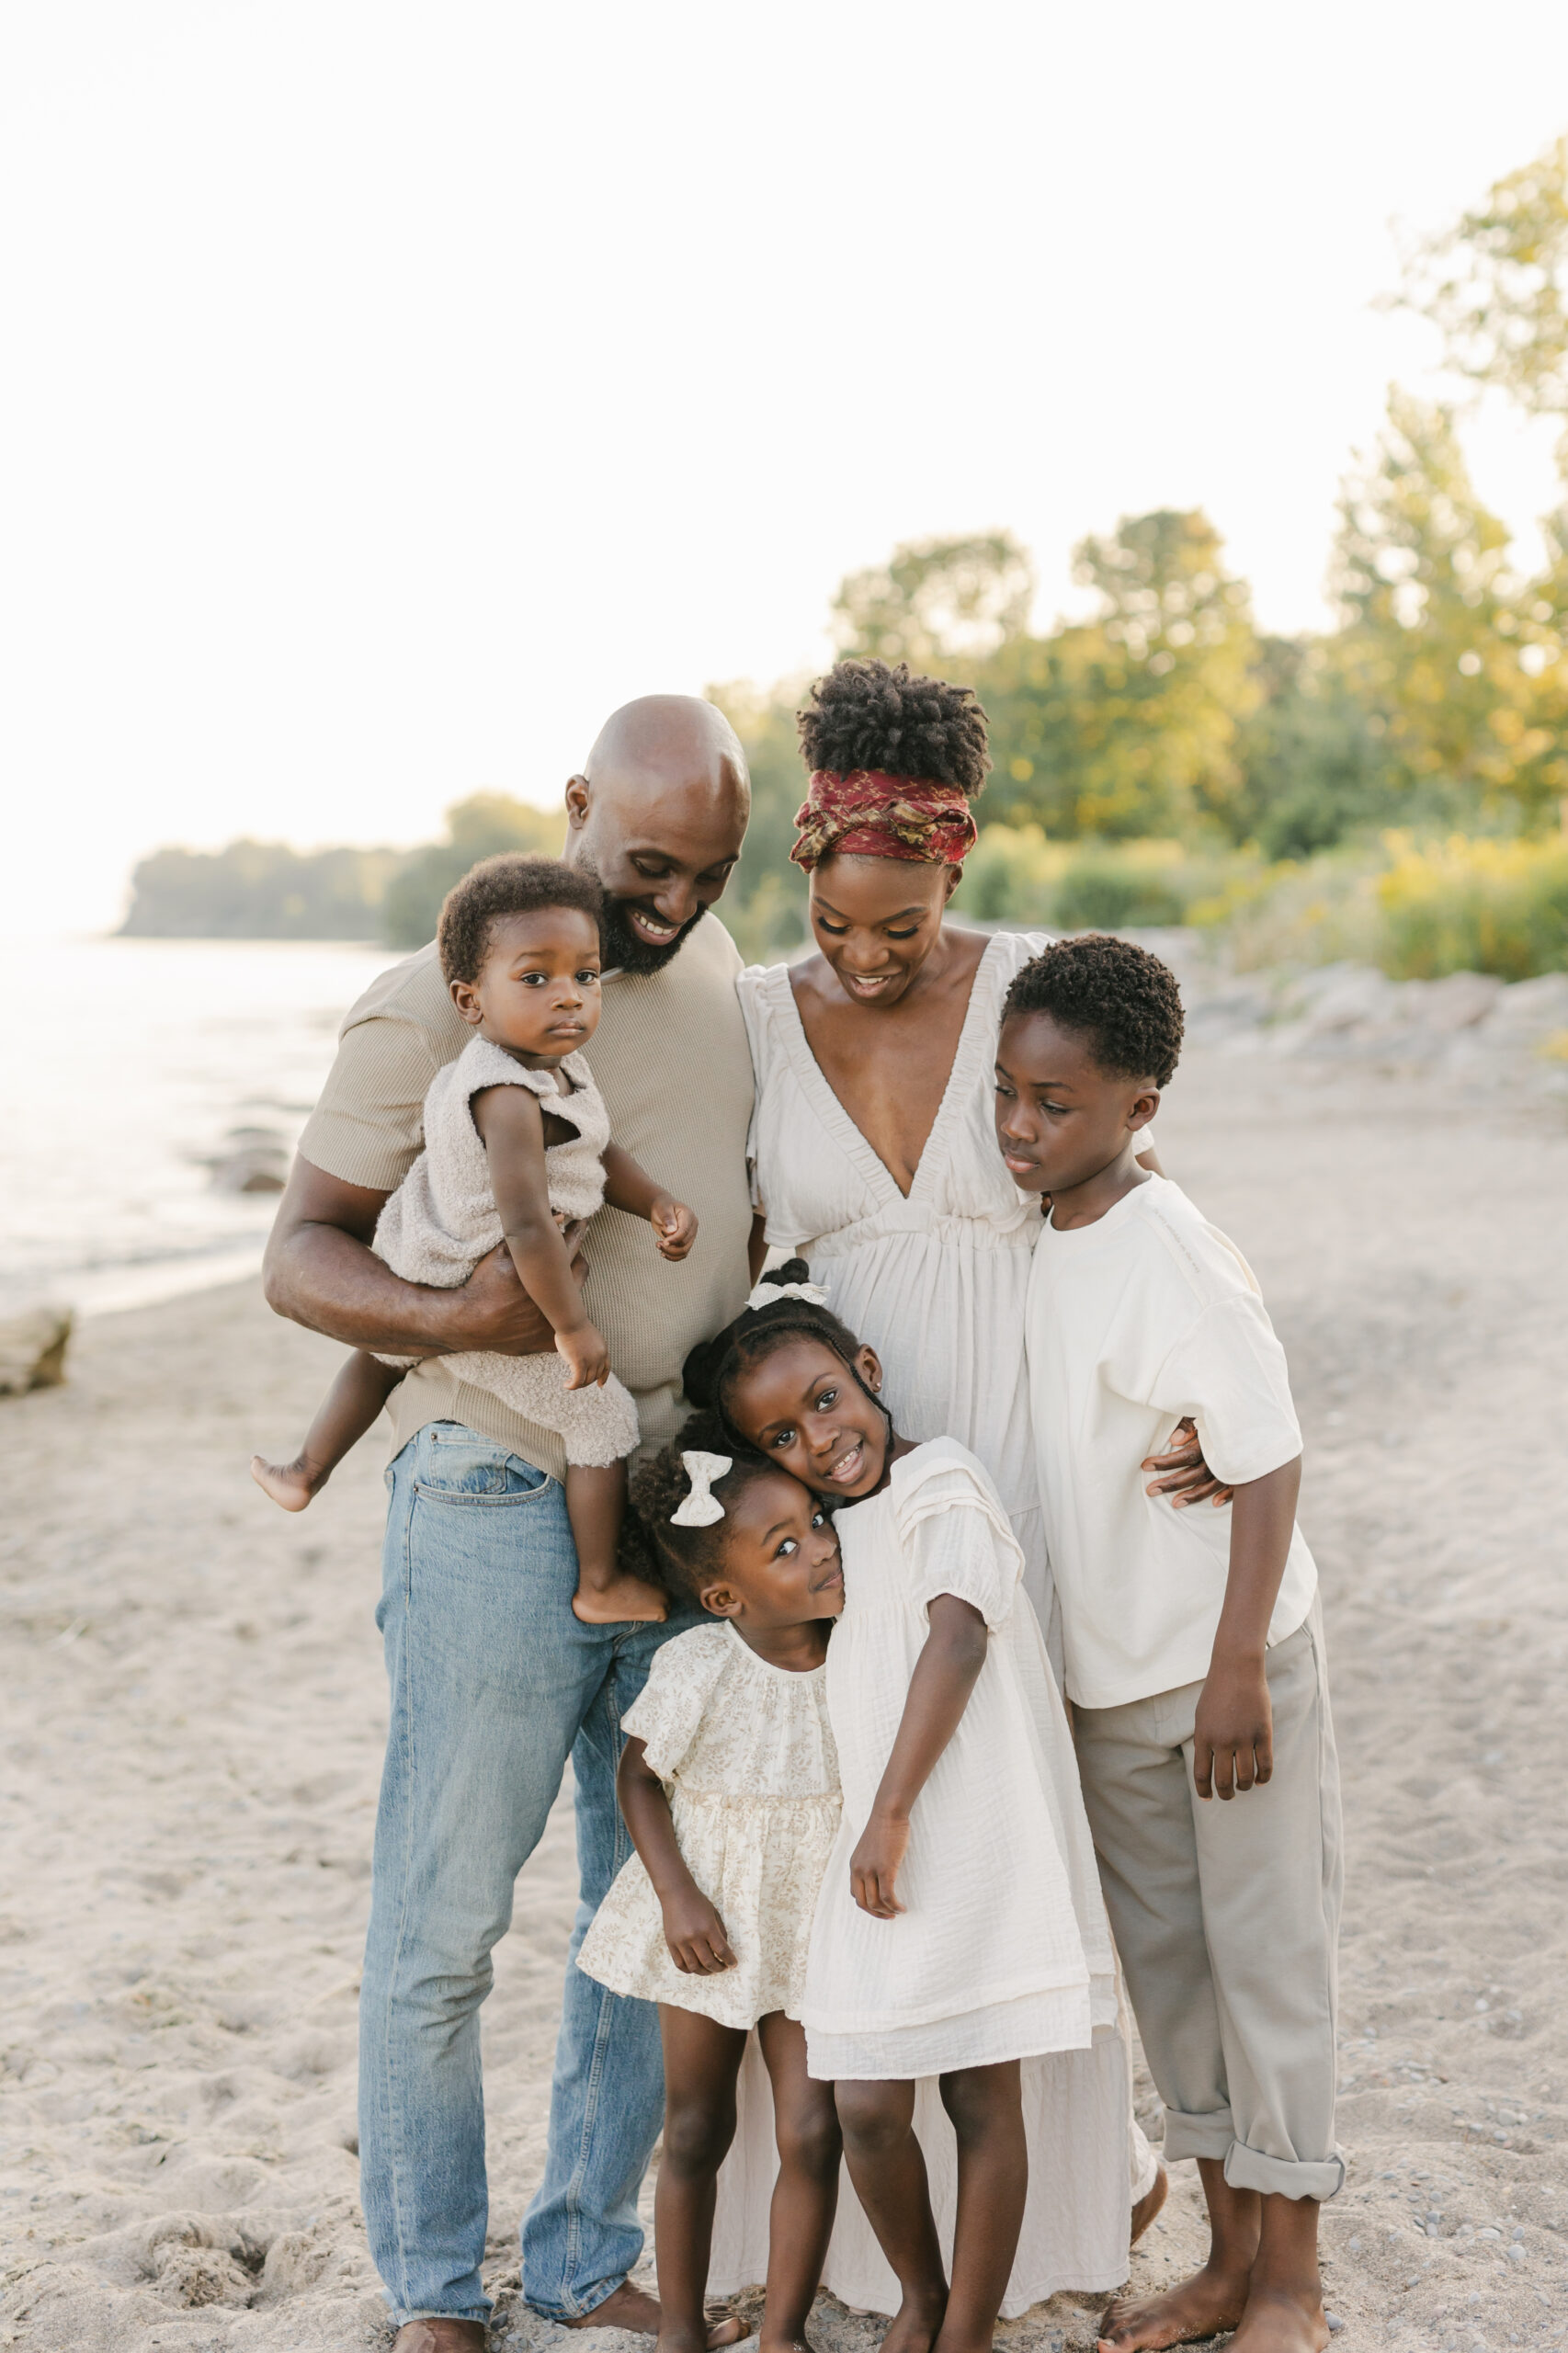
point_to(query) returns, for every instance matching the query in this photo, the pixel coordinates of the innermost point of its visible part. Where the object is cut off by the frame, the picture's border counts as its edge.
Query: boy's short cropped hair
(1123, 1001)
(516, 883)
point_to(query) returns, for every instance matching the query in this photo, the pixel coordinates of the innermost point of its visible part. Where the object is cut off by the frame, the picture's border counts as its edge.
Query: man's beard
(625, 952)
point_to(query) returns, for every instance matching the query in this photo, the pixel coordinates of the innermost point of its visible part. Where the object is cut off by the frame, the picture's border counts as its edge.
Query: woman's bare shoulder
(813, 982)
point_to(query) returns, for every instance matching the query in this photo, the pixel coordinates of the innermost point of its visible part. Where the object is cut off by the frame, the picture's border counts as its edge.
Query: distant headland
(266, 891)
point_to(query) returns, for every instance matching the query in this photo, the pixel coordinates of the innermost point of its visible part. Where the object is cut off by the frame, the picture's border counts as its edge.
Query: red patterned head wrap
(868, 814)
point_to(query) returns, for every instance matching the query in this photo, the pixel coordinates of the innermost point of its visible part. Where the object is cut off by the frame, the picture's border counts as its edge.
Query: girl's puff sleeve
(667, 1712)
(955, 1535)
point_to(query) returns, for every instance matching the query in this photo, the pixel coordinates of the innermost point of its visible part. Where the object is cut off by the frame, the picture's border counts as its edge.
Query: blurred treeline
(1395, 786)
(266, 891)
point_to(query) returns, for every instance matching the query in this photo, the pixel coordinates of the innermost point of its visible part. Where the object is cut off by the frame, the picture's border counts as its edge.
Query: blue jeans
(494, 1684)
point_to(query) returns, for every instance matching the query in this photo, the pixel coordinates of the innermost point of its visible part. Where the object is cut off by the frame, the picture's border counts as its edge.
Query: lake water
(129, 1066)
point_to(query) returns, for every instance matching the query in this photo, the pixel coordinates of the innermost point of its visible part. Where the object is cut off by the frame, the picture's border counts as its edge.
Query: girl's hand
(873, 1867)
(695, 1935)
(675, 1227)
(1232, 1745)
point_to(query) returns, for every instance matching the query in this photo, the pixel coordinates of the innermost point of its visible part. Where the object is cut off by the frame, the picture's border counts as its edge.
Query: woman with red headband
(873, 1144)
(874, 1153)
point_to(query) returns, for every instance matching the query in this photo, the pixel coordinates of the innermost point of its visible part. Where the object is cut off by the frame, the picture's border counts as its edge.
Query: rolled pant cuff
(566, 2316)
(1214, 2135)
(1283, 2176)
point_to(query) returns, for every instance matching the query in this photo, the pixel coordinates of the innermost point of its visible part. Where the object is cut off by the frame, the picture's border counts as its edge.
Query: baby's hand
(586, 1356)
(873, 1867)
(695, 1935)
(675, 1227)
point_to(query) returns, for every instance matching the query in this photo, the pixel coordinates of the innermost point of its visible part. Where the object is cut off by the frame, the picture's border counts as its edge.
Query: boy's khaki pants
(1226, 1915)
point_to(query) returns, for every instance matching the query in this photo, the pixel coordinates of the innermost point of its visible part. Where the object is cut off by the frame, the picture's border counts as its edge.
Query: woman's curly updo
(873, 715)
(714, 1366)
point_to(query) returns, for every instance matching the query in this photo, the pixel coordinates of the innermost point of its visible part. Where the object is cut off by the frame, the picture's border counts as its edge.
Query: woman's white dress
(934, 1282)
(746, 1757)
(1002, 1950)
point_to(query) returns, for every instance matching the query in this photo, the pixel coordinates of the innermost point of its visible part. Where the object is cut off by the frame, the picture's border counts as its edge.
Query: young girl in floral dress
(729, 1786)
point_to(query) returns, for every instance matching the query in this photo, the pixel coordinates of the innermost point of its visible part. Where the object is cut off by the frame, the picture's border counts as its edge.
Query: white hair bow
(765, 1293)
(701, 1507)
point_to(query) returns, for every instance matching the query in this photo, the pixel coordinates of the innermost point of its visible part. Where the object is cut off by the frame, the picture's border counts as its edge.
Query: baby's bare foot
(621, 1599)
(289, 1484)
(1198, 2307)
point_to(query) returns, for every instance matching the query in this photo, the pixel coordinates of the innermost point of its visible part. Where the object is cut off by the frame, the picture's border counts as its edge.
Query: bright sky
(392, 390)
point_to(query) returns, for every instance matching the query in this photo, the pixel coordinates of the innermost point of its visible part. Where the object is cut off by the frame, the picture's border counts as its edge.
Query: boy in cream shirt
(1192, 1639)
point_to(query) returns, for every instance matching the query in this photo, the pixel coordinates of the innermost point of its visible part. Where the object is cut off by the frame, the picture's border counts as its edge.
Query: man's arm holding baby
(1234, 1734)
(693, 1930)
(321, 1272)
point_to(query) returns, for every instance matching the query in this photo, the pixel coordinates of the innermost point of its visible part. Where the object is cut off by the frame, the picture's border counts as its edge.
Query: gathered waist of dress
(748, 1800)
(941, 1234)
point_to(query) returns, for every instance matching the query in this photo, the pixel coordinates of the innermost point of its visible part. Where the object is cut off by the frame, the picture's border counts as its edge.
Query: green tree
(1127, 724)
(1495, 285)
(938, 605)
(1316, 768)
(482, 826)
(765, 906)
(260, 890)
(1442, 643)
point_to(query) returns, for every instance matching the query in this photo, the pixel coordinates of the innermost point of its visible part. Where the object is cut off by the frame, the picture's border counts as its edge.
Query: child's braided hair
(683, 1559)
(714, 1366)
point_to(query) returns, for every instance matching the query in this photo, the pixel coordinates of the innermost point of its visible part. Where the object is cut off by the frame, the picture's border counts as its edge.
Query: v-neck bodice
(974, 1032)
(934, 1280)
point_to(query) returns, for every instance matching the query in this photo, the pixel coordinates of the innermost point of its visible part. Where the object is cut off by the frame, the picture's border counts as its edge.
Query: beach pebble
(192, 2276)
(32, 1349)
(253, 1160)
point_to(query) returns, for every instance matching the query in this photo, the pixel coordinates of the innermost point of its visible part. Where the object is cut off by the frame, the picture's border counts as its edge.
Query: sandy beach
(193, 1706)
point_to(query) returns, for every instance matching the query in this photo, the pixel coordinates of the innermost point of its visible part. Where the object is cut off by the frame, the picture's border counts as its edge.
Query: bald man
(495, 1682)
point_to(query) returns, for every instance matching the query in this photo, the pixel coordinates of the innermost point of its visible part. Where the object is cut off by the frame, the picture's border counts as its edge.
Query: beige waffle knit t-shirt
(671, 1059)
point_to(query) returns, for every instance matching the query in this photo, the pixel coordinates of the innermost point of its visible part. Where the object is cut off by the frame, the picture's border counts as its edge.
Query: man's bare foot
(913, 2327)
(1277, 2320)
(627, 2306)
(1198, 2307)
(631, 2307)
(292, 1484)
(622, 1599)
(1149, 2205)
(440, 2337)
